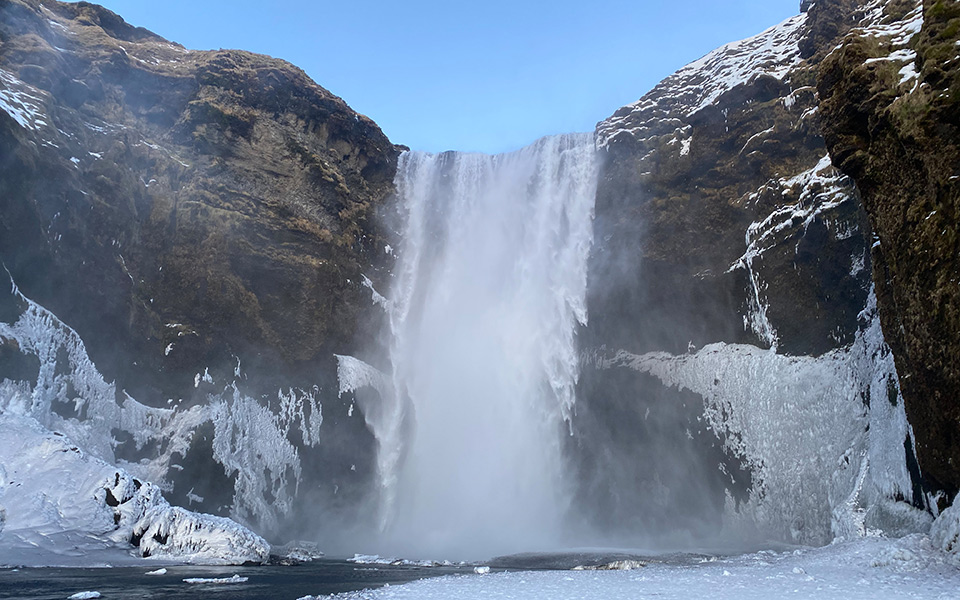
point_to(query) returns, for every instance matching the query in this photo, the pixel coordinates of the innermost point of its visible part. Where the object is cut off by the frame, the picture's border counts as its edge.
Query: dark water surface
(320, 577)
(264, 583)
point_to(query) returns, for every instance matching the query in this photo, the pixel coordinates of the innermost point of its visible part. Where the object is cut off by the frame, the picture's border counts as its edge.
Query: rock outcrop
(889, 97)
(183, 209)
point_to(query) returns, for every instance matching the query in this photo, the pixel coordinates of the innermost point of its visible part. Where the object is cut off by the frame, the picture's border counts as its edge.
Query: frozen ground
(870, 568)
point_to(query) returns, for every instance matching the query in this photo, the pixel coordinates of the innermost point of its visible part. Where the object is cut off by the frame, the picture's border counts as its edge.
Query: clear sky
(489, 76)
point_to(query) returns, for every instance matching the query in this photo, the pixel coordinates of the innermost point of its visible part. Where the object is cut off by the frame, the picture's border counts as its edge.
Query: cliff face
(726, 174)
(890, 96)
(204, 221)
(182, 209)
(721, 219)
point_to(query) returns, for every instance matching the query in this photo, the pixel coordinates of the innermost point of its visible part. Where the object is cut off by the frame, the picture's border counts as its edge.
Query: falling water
(489, 287)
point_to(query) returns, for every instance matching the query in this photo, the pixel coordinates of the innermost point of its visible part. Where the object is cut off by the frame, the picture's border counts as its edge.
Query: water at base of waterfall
(860, 569)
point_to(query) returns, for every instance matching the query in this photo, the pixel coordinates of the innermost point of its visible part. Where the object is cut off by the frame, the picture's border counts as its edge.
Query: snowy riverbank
(865, 568)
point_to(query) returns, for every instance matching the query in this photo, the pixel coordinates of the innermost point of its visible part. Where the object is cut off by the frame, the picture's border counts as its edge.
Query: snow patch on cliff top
(772, 53)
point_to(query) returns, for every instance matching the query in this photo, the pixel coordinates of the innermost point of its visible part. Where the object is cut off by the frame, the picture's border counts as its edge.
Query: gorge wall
(722, 227)
(203, 221)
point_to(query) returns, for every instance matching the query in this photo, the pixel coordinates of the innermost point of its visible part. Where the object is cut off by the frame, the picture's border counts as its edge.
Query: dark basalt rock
(219, 204)
(718, 216)
(898, 138)
(189, 212)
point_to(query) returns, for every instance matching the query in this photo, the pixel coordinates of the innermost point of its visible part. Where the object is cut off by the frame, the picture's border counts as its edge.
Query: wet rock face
(184, 209)
(890, 98)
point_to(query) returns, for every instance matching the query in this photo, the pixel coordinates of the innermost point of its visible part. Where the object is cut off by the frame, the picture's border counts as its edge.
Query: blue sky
(485, 76)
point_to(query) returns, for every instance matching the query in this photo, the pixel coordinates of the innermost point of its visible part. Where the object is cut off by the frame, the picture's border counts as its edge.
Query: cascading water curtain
(489, 287)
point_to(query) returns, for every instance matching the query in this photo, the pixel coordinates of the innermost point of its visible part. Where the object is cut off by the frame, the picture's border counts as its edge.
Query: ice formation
(823, 436)
(253, 440)
(62, 503)
(945, 532)
(216, 580)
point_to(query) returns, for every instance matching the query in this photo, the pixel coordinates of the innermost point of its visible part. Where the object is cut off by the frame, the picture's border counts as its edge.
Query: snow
(772, 53)
(299, 551)
(908, 73)
(821, 189)
(162, 571)
(354, 374)
(22, 102)
(863, 569)
(898, 32)
(894, 36)
(945, 532)
(378, 299)
(375, 559)
(216, 580)
(84, 596)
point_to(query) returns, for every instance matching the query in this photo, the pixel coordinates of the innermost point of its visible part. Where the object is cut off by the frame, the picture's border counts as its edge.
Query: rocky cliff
(890, 95)
(181, 208)
(204, 222)
(723, 226)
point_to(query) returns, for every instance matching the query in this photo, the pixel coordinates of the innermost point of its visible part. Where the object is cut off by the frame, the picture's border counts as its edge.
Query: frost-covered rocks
(295, 552)
(61, 502)
(945, 532)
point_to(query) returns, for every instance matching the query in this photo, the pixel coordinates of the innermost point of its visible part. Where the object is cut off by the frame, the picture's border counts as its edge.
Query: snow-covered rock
(62, 502)
(945, 532)
(772, 53)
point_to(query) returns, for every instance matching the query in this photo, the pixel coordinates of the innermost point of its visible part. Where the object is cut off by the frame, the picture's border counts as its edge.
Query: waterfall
(489, 287)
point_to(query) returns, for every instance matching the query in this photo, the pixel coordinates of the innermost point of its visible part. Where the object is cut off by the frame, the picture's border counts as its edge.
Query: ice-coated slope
(823, 436)
(251, 441)
(63, 506)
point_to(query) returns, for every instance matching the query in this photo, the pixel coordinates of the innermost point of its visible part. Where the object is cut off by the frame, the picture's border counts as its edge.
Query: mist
(489, 285)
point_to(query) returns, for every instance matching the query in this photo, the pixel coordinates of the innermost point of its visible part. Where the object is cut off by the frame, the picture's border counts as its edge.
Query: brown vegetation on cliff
(891, 110)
